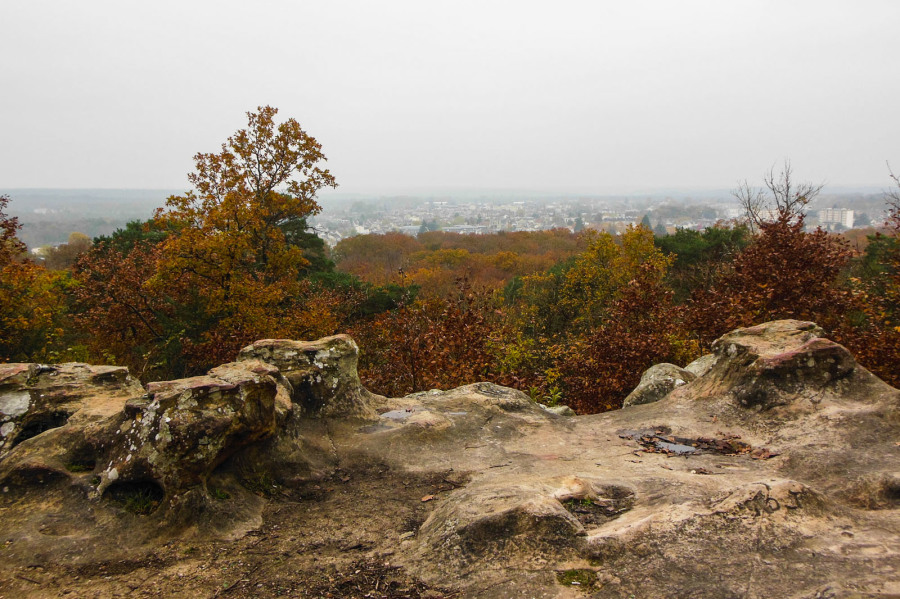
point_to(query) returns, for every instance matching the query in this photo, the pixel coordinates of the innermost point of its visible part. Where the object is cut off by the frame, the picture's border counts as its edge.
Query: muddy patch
(660, 440)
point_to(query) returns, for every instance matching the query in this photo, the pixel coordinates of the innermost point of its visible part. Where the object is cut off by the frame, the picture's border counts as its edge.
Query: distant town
(48, 217)
(479, 217)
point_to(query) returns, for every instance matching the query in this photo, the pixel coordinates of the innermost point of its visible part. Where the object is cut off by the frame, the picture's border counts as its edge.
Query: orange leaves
(223, 273)
(32, 302)
(600, 367)
(11, 246)
(784, 273)
(228, 257)
(436, 259)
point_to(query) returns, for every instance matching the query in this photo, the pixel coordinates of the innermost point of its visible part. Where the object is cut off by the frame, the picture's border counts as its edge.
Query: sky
(563, 96)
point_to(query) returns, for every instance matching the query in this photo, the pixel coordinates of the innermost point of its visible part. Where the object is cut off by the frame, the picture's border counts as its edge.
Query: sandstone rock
(701, 365)
(525, 520)
(559, 410)
(657, 382)
(776, 363)
(116, 439)
(35, 398)
(322, 373)
(790, 488)
(182, 429)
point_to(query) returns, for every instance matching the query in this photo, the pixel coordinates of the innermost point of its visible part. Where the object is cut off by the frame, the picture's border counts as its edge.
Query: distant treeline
(570, 318)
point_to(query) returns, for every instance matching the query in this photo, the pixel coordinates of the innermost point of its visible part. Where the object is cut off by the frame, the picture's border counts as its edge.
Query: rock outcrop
(35, 398)
(657, 382)
(322, 374)
(773, 470)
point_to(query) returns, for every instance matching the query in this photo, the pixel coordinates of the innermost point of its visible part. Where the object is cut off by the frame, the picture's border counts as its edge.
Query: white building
(836, 216)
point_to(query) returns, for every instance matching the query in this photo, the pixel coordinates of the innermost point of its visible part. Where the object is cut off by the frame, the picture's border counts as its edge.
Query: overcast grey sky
(578, 96)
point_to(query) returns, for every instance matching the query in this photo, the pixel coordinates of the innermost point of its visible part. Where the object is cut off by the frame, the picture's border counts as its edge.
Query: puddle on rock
(658, 440)
(399, 414)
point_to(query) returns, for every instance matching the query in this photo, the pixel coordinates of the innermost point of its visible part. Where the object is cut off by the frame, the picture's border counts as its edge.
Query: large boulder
(181, 430)
(778, 363)
(657, 382)
(323, 376)
(99, 429)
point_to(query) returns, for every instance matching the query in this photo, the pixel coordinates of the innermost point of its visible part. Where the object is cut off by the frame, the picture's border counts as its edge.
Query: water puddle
(659, 440)
(399, 414)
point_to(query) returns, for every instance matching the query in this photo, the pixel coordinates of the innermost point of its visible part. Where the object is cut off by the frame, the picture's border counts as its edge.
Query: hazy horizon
(580, 98)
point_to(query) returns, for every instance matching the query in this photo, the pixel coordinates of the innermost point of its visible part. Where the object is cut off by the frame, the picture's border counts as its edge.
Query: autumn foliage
(784, 273)
(567, 317)
(216, 270)
(33, 305)
(432, 344)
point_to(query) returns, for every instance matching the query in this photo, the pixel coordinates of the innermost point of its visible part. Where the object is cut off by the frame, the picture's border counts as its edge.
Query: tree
(64, 256)
(784, 273)
(892, 196)
(874, 336)
(699, 255)
(228, 266)
(376, 258)
(600, 368)
(32, 300)
(432, 343)
(11, 247)
(782, 197)
(603, 270)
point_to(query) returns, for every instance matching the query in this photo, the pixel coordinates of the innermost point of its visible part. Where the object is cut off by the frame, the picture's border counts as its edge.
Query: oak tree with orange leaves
(224, 273)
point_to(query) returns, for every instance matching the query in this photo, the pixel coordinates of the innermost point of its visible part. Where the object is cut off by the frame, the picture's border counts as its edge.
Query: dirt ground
(359, 523)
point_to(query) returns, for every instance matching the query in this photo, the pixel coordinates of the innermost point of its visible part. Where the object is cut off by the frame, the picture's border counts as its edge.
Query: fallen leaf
(428, 498)
(761, 453)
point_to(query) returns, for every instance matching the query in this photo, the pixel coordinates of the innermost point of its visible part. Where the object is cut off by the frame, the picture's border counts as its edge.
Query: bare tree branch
(893, 195)
(782, 197)
(790, 198)
(753, 202)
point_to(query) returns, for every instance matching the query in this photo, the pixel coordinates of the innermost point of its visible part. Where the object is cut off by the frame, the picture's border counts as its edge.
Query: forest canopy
(569, 317)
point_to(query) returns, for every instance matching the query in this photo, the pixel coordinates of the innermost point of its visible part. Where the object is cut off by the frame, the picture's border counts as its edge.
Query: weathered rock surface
(322, 374)
(657, 382)
(775, 472)
(37, 397)
(778, 363)
(183, 429)
(701, 365)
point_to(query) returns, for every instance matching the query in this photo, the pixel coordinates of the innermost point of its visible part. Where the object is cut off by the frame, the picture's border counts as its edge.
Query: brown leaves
(660, 441)
(434, 343)
(32, 301)
(601, 368)
(785, 273)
